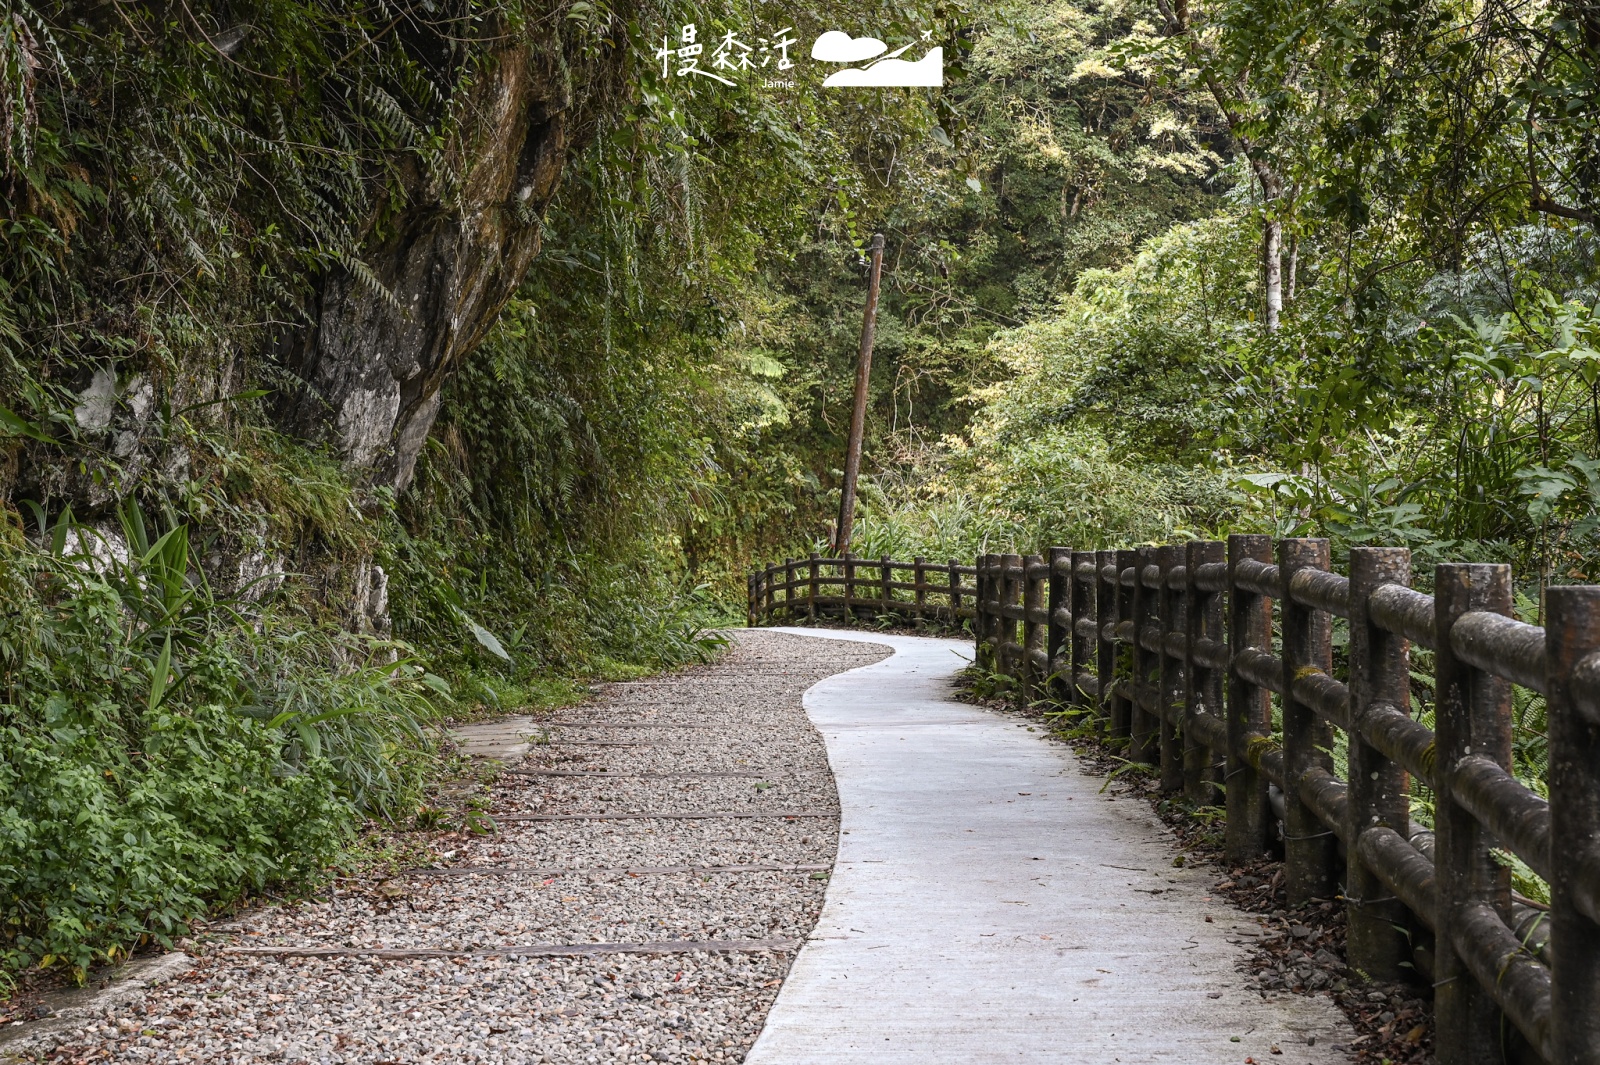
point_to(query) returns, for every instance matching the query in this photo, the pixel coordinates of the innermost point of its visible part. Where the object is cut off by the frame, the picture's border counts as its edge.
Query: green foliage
(1050, 156)
(106, 848)
(1071, 348)
(624, 434)
(1462, 426)
(1109, 432)
(1081, 152)
(1059, 486)
(236, 151)
(166, 749)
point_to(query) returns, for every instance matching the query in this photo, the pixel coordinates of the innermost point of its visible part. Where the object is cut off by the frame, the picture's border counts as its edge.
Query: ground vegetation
(368, 364)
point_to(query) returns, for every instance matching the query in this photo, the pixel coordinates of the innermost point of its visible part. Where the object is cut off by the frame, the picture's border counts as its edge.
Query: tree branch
(1177, 21)
(1542, 203)
(1177, 18)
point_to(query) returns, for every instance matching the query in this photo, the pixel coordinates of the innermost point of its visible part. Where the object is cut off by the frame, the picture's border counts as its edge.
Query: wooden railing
(855, 588)
(1171, 650)
(1213, 664)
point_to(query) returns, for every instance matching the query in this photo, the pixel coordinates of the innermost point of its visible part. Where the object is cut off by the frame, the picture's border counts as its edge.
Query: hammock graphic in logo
(890, 71)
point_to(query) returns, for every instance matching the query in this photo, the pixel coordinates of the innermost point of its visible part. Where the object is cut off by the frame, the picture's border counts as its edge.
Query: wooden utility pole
(858, 415)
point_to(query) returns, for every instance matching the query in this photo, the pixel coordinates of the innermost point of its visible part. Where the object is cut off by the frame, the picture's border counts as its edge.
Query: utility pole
(858, 415)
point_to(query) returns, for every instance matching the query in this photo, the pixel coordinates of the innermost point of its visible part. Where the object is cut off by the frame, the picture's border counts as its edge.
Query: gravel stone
(701, 1007)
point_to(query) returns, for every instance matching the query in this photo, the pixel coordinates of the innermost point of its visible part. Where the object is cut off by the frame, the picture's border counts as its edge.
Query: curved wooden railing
(1171, 651)
(857, 588)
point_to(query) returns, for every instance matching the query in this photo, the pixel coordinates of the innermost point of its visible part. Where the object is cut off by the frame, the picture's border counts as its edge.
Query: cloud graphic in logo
(836, 47)
(926, 72)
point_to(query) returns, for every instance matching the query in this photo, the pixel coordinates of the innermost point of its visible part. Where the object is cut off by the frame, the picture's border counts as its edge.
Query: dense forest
(364, 364)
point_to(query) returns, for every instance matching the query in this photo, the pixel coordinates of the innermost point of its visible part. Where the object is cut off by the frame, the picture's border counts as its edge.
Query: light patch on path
(990, 905)
(507, 740)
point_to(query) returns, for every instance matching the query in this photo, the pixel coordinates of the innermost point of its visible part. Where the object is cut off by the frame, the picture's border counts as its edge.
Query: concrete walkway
(990, 905)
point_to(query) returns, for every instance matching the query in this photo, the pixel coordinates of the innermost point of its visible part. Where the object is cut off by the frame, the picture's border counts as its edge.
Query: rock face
(446, 266)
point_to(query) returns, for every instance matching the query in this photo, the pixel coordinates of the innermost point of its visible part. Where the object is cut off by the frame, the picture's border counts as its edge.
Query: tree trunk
(1176, 14)
(1272, 270)
(1294, 269)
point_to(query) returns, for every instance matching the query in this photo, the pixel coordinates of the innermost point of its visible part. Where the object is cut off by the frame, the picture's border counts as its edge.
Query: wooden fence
(854, 588)
(1173, 647)
(1214, 663)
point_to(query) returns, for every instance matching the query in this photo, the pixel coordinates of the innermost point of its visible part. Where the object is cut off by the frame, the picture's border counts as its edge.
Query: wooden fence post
(919, 577)
(955, 599)
(993, 606)
(1058, 634)
(1033, 631)
(1472, 715)
(996, 602)
(1572, 633)
(849, 587)
(1169, 694)
(770, 586)
(1122, 701)
(750, 600)
(1310, 848)
(1105, 623)
(811, 590)
(991, 610)
(1145, 729)
(980, 614)
(788, 590)
(988, 603)
(1082, 683)
(1249, 706)
(1202, 683)
(885, 593)
(1011, 580)
(1380, 791)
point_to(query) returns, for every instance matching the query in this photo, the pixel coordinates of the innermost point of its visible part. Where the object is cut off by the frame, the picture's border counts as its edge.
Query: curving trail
(989, 905)
(662, 852)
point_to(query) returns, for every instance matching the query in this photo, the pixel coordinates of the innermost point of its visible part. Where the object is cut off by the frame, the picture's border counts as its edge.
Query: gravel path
(470, 997)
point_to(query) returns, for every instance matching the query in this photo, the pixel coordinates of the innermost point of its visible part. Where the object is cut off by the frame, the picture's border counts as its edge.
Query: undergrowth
(168, 748)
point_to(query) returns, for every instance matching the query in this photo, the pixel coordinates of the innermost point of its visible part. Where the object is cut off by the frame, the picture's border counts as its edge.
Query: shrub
(163, 750)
